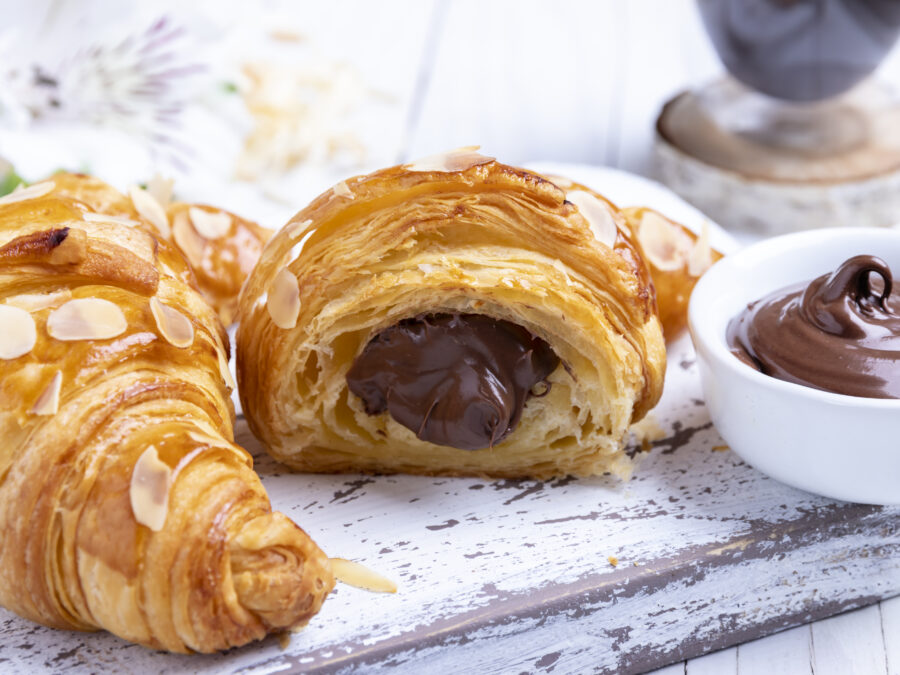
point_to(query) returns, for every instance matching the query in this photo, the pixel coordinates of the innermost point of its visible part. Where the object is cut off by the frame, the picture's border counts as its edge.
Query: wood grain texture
(890, 631)
(723, 662)
(674, 669)
(785, 653)
(510, 69)
(849, 644)
(514, 575)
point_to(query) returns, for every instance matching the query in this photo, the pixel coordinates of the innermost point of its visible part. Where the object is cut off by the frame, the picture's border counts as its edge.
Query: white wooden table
(568, 81)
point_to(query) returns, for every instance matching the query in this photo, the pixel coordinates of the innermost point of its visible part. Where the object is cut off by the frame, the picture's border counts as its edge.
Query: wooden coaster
(845, 173)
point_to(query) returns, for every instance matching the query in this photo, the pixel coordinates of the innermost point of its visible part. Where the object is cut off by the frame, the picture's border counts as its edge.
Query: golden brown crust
(139, 430)
(484, 238)
(221, 262)
(686, 256)
(221, 259)
(668, 257)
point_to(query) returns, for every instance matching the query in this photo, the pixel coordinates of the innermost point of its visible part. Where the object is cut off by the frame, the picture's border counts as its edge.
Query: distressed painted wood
(516, 575)
(544, 71)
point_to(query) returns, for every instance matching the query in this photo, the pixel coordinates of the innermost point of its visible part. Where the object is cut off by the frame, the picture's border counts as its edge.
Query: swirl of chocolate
(839, 334)
(459, 380)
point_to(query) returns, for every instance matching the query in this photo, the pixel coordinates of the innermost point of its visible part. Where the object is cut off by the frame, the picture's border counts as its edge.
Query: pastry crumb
(647, 431)
(613, 560)
(720, 448)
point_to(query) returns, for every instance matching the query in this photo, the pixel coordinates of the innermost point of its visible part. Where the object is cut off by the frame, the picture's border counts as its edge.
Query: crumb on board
(720, 448)
(647, 431)
(613, 560)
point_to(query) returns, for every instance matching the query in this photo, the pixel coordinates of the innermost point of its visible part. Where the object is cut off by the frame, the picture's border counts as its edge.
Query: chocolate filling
(459, 380)
(841, 333)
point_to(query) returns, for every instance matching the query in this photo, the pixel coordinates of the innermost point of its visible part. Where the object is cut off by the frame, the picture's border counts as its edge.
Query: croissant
(673, 256)
(220, 246)
(453, 316)
(124, 503)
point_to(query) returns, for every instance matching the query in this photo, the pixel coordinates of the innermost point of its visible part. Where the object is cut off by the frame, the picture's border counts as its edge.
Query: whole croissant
(124, 503)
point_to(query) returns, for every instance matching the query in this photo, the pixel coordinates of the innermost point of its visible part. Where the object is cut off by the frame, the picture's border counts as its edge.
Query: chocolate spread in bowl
(840, 333)
(459, 380)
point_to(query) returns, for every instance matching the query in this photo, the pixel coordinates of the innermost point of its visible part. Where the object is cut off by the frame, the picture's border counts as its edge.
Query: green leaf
(10, 182)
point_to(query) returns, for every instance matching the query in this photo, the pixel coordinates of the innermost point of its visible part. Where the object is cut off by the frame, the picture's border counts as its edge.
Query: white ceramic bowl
(838, 446)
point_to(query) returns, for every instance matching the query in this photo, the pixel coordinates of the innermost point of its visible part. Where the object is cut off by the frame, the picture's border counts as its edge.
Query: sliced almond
(161, 189)
(460, 159)
(86, 319)
(18, 335)
(210, 225)
(30, 192)
(151, 210)
(598, 215)
(663, 243)
(283, 303)
(354, 574)
(174, 326)
(103, 218)
(35, 302)
(343, 190)
(48, 402)
(187, 239)
(700, 257)
(149, 492)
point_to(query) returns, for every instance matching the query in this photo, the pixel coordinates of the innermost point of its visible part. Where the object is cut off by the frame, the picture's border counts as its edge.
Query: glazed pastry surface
(221, 247)
(458, 234)
(124, 503)
(676, 259)
(660, 250)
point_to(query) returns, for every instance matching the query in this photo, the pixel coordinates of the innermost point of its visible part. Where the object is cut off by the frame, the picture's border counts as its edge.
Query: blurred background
(259, 106)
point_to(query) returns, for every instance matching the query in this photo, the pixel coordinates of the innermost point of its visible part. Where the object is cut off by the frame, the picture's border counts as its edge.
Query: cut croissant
(124, 503)
(419, 250)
